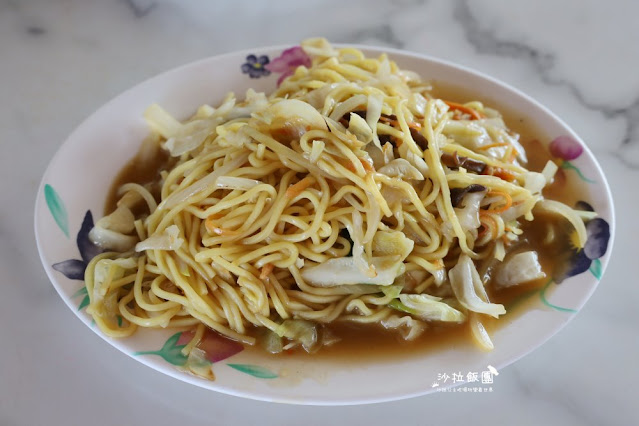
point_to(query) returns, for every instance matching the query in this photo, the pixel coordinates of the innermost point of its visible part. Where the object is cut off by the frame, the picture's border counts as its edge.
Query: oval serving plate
(74, 187)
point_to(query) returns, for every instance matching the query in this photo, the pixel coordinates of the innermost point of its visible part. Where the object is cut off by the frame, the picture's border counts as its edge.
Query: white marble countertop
(62, 59)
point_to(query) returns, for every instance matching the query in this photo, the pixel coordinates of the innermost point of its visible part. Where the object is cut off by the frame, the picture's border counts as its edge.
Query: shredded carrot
(367, 166)
(508, 201)
(492, 145)
(214, 229)
(513, 155)
(493, 229)
(502, 174)
(394, 123)
(297, 188)
(266, 271)
(476, 115)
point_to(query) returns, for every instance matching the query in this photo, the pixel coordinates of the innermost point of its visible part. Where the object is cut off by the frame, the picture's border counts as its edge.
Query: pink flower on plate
(288, 61)
(566, 148)
(214, 346)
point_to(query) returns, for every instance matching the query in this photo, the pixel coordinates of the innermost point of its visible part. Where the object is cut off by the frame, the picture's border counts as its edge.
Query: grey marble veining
(62, 59)
(487, 42)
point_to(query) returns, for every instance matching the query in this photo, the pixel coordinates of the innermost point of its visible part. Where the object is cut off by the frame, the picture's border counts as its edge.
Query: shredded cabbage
(106, 271)
(409, 327)
(344, 270)
(428, 308)
(468, 215)
(549, 171)
(112, 240)
(519, 268)
(401, 168)
(373, 113)
(271, 342)
(319, 47)
(167, 240)
(479, 332)
(469, 289)
(120, 220)
(207, 182)
(392, 243)
(359, 127)
(302, 331)
(198, 365)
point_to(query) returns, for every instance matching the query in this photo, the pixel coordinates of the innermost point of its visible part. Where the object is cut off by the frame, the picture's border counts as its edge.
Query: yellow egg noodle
(348, 194)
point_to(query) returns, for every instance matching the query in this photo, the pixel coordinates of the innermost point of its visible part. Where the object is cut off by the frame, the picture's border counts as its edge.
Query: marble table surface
(62, 59)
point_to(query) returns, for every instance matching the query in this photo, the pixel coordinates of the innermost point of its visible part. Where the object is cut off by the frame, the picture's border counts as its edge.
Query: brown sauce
(361, 343)
(144, 168)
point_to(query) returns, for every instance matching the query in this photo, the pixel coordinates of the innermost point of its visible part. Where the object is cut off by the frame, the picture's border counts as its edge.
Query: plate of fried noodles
(324, 224)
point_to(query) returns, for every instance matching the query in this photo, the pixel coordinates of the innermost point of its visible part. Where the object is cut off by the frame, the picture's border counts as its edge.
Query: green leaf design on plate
(568, 165)
(85, 300)
(254, 370)
(595, 268)
(542, 296)
(171, 352)
(57, 209)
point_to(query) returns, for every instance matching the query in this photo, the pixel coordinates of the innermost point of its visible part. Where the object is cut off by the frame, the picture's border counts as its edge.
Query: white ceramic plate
(81, 172)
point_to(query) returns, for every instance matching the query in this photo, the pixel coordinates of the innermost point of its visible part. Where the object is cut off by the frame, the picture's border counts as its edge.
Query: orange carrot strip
(508, 201)
(367, 166)
(487, 216)
(459, 107)
(266, 271)
(502, 174)
(513, 155)
(395, 123)
(296, 189)
(492, 145)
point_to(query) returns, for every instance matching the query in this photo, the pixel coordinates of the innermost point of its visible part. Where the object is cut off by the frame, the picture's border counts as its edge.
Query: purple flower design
(288, 61)
(255, 66)
(74, 268)
(581, 260)
(566, 148)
